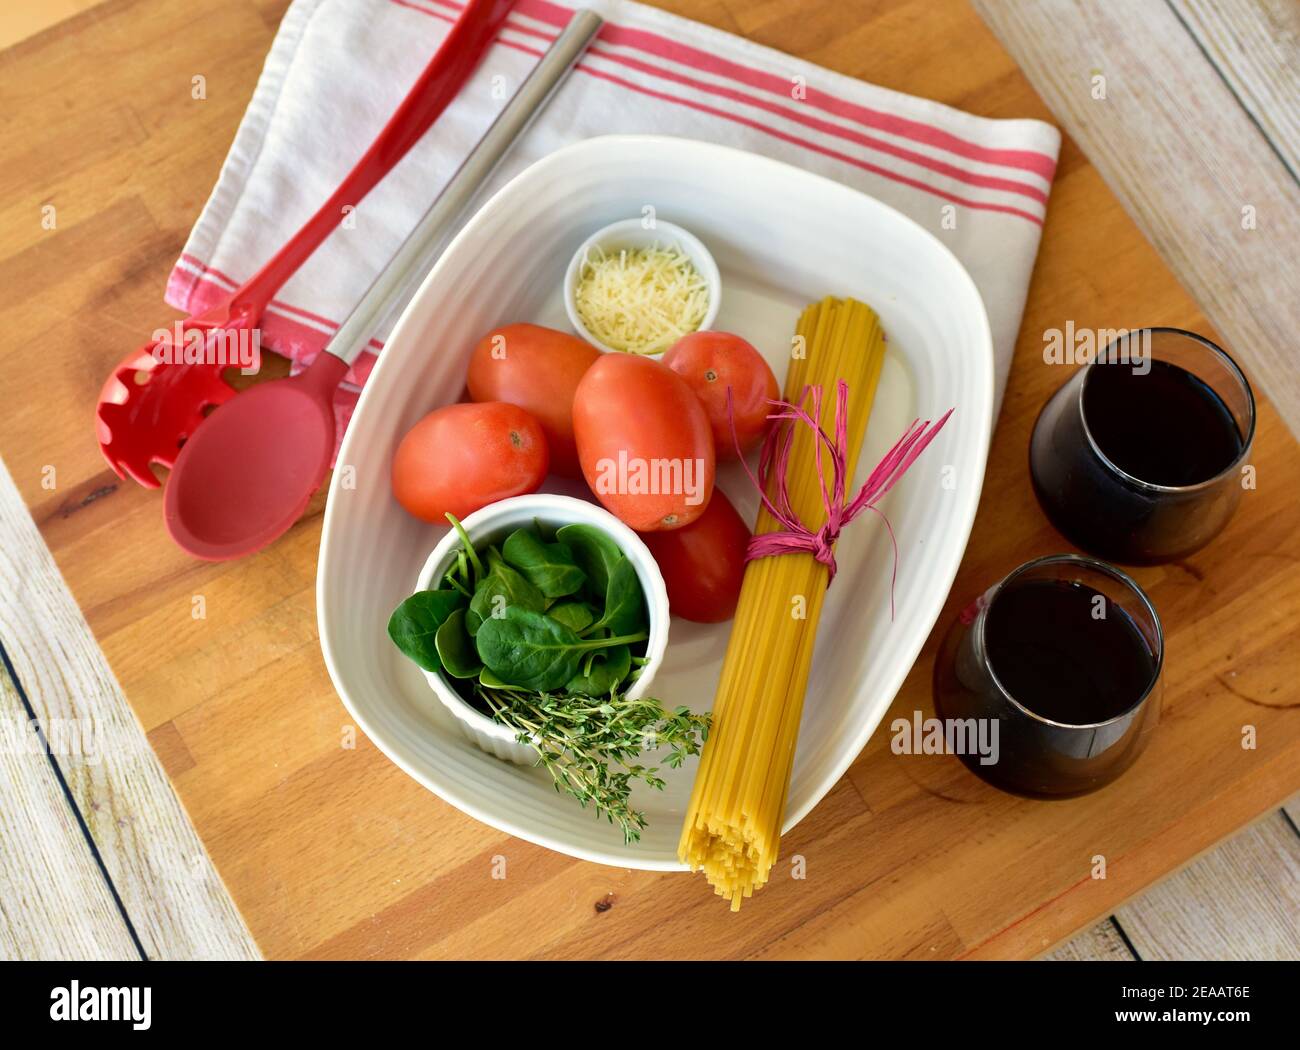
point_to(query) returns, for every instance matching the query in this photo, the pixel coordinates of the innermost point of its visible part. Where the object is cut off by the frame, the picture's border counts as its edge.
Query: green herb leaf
(490, 681)
(502, 588)
(602, 672)
(624, 601)
(414, 624)
(575, 615)
(590, 747)
(594, 552)
(456, 648)
(531, 650)
(548, 566)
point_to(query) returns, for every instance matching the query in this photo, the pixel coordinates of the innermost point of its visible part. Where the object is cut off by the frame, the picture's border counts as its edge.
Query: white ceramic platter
(782, 238)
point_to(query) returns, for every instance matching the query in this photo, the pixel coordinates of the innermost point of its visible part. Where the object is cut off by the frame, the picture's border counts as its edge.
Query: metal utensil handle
(442, 219)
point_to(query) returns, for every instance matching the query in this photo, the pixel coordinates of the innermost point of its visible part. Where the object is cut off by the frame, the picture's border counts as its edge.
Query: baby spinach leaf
(602, 672)
(500, 589)
(624, 601)
(574, 614)
(528, 649)
(456, 648)
(414, 624)
(548, 566)
(534, 651)
(490, 681)
(594, 552)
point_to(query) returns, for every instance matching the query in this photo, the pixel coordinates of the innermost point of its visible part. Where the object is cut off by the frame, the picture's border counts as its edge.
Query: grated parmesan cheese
(640, 301)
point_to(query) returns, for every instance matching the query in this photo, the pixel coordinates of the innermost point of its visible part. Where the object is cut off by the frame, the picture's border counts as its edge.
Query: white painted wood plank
(1255, 849)
(169, 888)
(1102, 943)
(1255, 45)
(1239, 901)
(54, 901)
(1200, 179)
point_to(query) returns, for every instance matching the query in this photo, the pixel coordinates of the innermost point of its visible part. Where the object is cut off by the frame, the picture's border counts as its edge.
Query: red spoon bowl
(246, 475)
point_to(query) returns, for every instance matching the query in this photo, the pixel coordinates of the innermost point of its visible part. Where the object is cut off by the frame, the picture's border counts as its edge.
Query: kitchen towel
(338, 68)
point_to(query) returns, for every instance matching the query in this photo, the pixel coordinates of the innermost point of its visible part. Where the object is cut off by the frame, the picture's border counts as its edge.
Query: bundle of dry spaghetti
(733, 822)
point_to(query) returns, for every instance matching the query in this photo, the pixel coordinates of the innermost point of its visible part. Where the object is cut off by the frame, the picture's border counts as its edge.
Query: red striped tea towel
(338, 68)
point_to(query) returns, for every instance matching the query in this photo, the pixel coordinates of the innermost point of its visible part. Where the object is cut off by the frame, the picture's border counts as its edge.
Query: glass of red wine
(1059, 666)
(1138, 457)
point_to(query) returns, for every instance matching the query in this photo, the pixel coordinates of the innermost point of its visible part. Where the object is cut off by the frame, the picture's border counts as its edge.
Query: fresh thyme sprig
(589, 745)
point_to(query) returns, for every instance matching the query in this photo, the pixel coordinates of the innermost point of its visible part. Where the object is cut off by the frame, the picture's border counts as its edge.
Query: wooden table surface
(328, 850)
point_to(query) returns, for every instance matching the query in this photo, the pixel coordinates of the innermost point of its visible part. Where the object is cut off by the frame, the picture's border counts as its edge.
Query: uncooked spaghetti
(733, 822)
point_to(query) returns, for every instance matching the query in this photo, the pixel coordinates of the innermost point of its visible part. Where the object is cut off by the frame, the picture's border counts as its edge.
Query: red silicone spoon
(247, 474)
(150, 405)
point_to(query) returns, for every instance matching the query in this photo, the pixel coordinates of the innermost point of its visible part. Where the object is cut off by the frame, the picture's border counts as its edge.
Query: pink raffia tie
(774, 462)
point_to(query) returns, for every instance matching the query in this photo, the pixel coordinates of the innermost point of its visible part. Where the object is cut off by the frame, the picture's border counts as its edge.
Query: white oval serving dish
(782, 238)
(491, 525)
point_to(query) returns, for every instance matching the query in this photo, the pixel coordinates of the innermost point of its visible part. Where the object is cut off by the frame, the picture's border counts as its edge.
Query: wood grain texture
(167, 884)
(328, 849)
(54, 901)
(1240, 901)
(1210, 191)
(20, 19)
(1255, 46)
(1102, 943)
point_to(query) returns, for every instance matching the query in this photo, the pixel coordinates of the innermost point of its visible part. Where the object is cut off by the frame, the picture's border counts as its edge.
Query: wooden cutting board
(328, 849)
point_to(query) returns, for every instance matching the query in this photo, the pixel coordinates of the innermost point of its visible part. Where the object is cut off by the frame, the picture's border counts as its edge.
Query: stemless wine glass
(1138, 456)
(1059, 666)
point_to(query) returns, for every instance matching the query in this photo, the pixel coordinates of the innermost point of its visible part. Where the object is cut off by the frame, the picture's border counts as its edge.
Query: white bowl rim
(553, 505)
(687, 241)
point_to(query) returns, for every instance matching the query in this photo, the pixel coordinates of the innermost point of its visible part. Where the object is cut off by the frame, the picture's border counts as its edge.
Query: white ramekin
(630, 234)
(491, 525)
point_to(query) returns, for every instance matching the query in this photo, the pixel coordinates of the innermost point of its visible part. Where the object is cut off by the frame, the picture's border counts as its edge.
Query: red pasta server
(151, 405)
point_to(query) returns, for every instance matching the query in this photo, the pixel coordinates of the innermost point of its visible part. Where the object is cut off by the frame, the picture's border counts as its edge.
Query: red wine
(1066, 651)
(1167, 427)
(1163, 428)
(1059, 676)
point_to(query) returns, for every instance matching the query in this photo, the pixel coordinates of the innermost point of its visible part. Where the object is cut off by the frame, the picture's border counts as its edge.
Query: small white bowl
(630, 234)
(491, 525)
